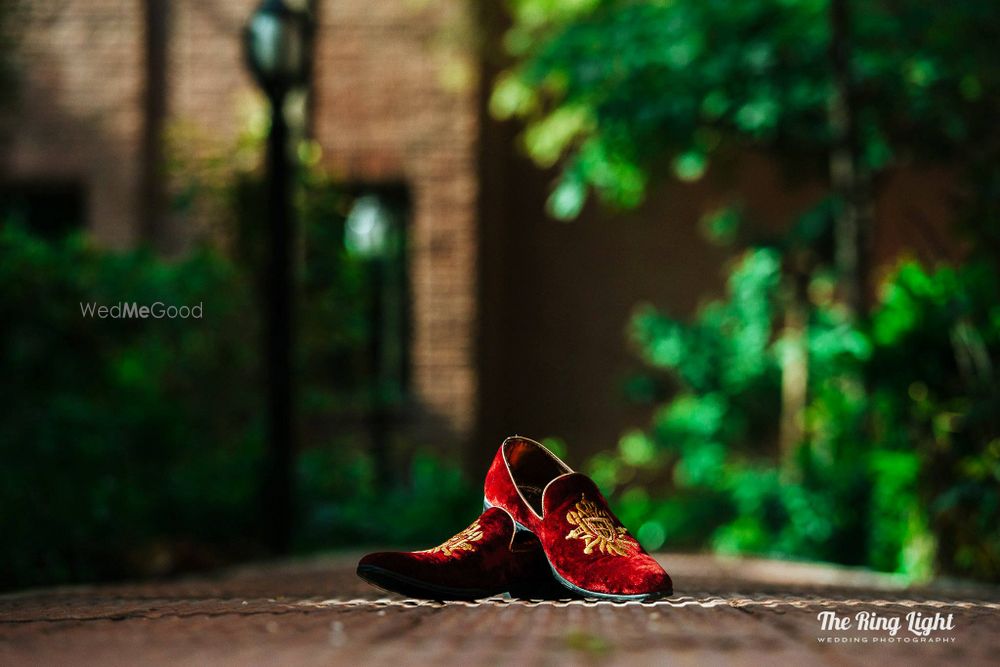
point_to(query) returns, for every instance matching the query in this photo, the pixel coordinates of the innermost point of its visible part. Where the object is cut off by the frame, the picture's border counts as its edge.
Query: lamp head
(278, 40)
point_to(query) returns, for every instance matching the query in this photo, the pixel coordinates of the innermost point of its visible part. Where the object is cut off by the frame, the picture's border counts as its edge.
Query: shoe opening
(532, 467)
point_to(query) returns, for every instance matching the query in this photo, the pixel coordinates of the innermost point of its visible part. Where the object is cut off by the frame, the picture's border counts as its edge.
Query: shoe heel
(518, 527)
(542, 589)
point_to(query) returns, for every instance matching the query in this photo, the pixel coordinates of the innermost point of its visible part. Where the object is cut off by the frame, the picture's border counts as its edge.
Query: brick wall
(395, 102)
(77, 114)
(211, 99)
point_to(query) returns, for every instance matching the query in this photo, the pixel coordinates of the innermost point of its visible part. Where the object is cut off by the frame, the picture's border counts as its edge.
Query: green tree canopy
(794, 420)
(610, 89)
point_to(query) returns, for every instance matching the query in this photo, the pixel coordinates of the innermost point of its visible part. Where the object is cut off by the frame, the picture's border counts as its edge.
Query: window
(48, 209)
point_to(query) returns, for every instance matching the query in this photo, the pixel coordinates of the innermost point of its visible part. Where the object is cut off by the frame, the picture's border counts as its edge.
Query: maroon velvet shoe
(589, 550)
(488, 558)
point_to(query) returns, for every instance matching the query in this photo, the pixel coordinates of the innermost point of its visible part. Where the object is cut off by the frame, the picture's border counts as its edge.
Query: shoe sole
(639, 597)
(393, 582)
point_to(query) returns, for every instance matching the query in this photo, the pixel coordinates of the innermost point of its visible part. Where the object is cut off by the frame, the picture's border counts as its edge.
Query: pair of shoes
(542, 522)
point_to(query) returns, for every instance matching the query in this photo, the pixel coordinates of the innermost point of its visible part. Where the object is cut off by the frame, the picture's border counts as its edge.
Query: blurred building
(394, 102)
(517, 321)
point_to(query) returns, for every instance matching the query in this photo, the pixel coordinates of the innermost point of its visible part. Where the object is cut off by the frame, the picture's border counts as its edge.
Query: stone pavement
(316, 612)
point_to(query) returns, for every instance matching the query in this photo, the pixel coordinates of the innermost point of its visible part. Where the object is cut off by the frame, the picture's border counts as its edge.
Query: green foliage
(117, 432)
(134, 447)
(344, 506)
(611, 87)
(918, 489)
(937, 345)
(896, 463)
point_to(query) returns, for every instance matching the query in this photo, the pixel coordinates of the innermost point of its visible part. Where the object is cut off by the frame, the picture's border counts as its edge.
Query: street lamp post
(278, 41)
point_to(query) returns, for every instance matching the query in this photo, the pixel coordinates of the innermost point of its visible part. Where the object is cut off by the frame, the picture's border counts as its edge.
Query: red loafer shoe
(589, 550)
(488, 558)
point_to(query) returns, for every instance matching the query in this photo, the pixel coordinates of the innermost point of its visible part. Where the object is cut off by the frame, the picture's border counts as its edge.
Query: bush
(120, 431)
(898, 464)
(134, 447)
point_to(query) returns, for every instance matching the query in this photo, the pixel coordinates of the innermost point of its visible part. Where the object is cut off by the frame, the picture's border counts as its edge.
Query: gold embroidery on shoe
(597, 528)
(461, 542)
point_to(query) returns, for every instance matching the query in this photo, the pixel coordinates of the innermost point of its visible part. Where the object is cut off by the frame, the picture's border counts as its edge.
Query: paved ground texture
(725, 612)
